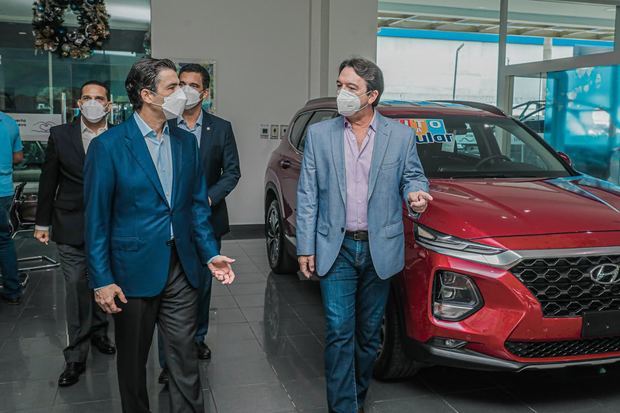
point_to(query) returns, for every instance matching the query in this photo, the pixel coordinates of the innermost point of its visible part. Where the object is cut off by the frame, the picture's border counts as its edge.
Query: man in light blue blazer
(148, 236)
(356, 172)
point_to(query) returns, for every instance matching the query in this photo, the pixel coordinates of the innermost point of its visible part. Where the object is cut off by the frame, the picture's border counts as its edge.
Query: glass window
(30, 168)
(544, 30)
(298, 127)
(582, 114)
(465, 143)
(318, 116)
(474, 147)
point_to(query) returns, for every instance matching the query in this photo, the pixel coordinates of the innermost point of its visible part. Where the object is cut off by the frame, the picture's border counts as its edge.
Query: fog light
(455, 296)
(450, 343)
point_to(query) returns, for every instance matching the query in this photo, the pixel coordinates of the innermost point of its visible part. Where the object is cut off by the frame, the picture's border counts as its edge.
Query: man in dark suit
(60, 205)
(148, 236)
(220, 162)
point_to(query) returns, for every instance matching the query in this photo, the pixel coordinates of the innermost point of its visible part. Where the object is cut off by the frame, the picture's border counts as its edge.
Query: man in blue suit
(148, 236)
(356, 172)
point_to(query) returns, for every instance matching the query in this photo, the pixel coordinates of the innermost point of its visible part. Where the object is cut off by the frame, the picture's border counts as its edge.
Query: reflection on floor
(267, 341)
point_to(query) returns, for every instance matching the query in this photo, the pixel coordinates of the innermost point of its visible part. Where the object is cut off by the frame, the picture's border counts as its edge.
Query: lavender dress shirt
(357, 168)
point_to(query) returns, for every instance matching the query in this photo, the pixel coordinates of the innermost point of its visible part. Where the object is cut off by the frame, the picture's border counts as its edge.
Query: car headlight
(438, 239)
(455, 296)
(460, 248)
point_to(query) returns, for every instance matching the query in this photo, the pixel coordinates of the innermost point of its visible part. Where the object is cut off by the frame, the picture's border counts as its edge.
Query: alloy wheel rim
(273, 236)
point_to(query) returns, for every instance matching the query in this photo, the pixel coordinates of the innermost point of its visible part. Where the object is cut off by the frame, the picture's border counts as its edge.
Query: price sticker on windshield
(428, 130)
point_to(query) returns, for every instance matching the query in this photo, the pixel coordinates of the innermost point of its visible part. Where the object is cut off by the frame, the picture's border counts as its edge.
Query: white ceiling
(593, 9)
(548, 18)
(124, 14)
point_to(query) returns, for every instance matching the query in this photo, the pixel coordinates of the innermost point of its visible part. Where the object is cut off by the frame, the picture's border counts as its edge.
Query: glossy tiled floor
(267, 337)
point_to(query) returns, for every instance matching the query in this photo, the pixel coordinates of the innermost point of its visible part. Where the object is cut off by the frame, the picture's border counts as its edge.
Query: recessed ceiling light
(22, 33)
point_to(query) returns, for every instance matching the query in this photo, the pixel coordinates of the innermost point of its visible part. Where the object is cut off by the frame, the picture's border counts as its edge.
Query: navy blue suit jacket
(220, 163)
(128, 218)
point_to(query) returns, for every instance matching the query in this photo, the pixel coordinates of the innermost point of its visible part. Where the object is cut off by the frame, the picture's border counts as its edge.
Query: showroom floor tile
(267, 341)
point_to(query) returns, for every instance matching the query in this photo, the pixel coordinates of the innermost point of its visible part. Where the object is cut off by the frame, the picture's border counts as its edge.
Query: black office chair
(22, 216)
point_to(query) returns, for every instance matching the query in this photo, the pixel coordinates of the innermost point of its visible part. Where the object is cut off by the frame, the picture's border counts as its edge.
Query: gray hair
(144, 74)
(368, 71)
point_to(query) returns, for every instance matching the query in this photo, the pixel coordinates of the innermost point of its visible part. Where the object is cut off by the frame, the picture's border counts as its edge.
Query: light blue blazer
(321, 193)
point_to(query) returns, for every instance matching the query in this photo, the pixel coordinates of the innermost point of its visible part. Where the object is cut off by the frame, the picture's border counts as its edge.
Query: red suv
(514, 266)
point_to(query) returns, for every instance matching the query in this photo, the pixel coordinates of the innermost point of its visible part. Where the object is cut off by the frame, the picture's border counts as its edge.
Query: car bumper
(465, 358)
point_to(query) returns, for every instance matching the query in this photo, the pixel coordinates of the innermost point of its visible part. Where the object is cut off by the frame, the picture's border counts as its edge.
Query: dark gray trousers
(174, 311)
(85, 319)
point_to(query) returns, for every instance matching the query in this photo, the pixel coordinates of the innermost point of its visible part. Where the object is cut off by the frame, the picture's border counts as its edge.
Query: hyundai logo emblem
(605, 274)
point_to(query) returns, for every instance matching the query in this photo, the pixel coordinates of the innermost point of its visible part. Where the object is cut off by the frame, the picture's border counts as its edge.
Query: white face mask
(93, 111)
(349, 103)
(193, 97)
(174, 104)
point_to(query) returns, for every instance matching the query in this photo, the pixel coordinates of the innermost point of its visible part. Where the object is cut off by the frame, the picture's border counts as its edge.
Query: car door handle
(285, 164)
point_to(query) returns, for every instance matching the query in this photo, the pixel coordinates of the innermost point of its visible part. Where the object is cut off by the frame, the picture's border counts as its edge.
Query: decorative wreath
(51, 35)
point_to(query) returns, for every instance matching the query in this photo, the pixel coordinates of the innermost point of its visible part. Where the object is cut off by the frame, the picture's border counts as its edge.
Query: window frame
(292, 126)
(315, 112)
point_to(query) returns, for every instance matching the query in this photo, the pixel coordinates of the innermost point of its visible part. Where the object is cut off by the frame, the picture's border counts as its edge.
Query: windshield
(481, 147)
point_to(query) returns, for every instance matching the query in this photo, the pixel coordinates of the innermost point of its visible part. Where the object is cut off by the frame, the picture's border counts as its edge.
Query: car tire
(393, 362)
(280, 261)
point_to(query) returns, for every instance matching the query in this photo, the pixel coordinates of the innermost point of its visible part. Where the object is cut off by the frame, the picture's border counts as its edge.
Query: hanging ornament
(50, 34)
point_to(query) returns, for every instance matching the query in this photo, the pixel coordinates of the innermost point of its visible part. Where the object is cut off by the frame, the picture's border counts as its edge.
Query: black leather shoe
(12, 300)
(103, 344)
(163, 377)
(71, 375)
(204, 352)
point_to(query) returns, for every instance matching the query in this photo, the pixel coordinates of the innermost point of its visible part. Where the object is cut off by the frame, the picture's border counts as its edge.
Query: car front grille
(547, 349)
(563, 285)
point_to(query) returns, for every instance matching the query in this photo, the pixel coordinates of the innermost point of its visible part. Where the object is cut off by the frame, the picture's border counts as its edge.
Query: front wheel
(392, 361)
(280, 261)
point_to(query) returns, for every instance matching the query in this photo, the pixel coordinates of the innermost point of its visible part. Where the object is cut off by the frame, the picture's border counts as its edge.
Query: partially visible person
(220, 163)
(357, 171)
(11, 153)
(148, 236)
(61, 206)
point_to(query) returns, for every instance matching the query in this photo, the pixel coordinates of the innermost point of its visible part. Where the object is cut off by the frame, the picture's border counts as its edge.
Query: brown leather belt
(357, 235)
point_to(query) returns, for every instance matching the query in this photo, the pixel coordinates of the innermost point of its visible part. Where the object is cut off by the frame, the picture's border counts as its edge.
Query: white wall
(261, 54)
(352, 31)
(271, 56)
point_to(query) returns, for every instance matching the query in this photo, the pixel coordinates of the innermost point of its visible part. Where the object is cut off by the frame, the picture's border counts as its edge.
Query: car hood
(484, 208)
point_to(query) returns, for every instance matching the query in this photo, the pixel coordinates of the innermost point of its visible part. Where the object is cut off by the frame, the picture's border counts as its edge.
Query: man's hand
(306, 265)
(42, 236)
(105, 298)
(222, 270)
(418, 201)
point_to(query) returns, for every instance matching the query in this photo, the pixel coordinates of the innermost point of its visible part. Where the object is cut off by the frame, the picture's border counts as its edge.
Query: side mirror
(566, 158)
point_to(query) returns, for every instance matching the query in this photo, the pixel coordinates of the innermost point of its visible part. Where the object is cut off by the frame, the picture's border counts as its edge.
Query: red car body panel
(517, 207)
